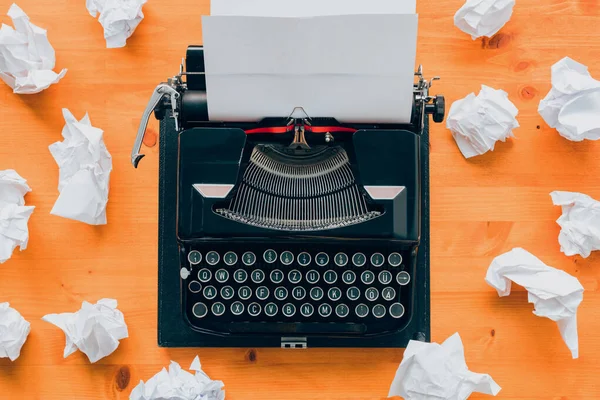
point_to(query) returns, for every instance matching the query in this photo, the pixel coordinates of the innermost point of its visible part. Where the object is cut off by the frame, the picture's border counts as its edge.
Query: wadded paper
(579, 223)
(26, 57)
(478, 122)
(85, 165)
(119, 18)
(95, 329)
(554, 293)
(573, 104)
(433, 371)
(356, 68)
(483, 17)
(180, 385)
(14, 330)
(14, 214)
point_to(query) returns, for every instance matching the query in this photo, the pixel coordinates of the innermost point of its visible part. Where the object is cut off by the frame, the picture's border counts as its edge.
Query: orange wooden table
(480, 208)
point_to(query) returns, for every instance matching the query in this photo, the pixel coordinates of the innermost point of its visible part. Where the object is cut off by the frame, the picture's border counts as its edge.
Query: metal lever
(159, 92)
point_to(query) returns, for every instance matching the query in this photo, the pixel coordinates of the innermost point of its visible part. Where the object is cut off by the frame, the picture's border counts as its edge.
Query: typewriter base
(173, 330)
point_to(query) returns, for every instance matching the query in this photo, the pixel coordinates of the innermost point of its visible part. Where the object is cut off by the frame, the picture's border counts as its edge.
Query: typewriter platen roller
(291, 231)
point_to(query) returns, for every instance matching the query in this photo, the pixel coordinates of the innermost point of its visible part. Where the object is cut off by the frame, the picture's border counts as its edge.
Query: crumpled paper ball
(14, 330)
(483, 17)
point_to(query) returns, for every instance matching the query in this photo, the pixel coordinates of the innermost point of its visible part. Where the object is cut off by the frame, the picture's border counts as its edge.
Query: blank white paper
(310, 8)
(356, 68)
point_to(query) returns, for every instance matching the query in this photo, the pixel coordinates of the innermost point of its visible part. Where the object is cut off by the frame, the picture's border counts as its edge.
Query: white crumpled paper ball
(483, 17)
(14, 330)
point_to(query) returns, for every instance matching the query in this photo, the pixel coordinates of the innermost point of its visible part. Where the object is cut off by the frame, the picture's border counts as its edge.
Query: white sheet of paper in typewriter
(356, 68)
(310, 8)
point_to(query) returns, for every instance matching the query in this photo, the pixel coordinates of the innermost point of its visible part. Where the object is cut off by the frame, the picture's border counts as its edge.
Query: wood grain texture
(480, 208)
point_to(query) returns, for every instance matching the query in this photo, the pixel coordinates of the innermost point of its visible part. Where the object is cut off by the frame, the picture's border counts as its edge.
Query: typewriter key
(194, 286)
(194, 257)
(395, 259)
(286, 258)
(324, 310)
(353, 293)
(367, 277)
(371, 294)
(388, 293)
(307, 310)
(361, 310)
(218, 309)
(257, 276)
(230, 258)
(379, 311)
(276, 276)
(249, 258)
(212, 258)
(304, 259)
(244, 292)
(298, 293)
(270, 256)
(204, 275)
(330, 276)
(262, 293)
(341, 259)
(403, 278)
(312, 277)
(316, 293)
(377, 259)
(271, 309)
(359, 259)
(209, 292)
(385, 277)
(240, 276)
(289, 309)
(237, 308)
(396, 310)
(199, 310)
(222, 275)
(281, 293)
(322, 259)
(227, 292)
(342, 310)
(348, 277)
(334, 294)
(254, 309)
(294, 276)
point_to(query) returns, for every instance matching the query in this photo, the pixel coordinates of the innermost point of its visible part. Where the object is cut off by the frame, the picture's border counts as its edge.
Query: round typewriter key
(307, 310)
(254, 309)
(341, 259)
(244, 292)
(218, 309)
(209, 292)
(240, 275)
(379, 311)
(367, 277)
(257, 276)
(204, 275)
(361, 310)
(194, 257)
(212, 258)
(316, 293)
(276, 276)
(395, 259)
(298, 293)
(286, 258)
(342, 310)
(377, 259)
(334, 294)
(322, 259)
(194, 286)
(289, 309)
(270, 256)
(385, 277)
(353, 293)
(237, 308)
(294, 276)
(396, 310)
(388, 293)
(304, 259)
(230, 258)
(281, 293)
(371, 294)
(222, 275)
(359, 259)
(249, 258)
(348, 277)
(330, 276)
(312, 276)
(271, 309)
(403, 278)
(262, 293)
(324, 310)
(227, 292)
(199, 310)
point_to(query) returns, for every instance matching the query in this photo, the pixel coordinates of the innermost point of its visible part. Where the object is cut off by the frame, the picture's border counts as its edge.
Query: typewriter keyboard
(296, 290)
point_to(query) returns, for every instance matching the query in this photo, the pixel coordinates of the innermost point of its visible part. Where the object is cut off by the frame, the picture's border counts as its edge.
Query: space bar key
(296, 327)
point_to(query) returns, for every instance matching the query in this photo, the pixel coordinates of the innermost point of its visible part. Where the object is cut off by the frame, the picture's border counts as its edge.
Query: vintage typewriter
(292, 231)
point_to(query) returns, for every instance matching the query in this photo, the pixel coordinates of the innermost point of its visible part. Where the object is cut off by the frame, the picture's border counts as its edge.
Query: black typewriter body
(292, 231)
